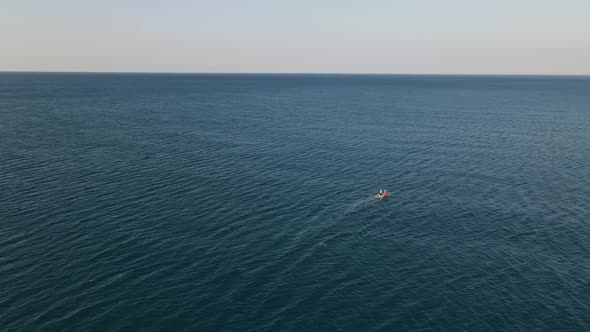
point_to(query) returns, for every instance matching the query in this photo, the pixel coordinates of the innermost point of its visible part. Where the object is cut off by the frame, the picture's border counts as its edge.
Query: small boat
(382, 194)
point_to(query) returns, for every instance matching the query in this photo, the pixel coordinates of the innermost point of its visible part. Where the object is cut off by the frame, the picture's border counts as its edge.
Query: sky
(299, 36)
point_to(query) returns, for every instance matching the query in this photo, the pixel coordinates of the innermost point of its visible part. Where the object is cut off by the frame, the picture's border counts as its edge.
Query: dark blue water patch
(244, 202)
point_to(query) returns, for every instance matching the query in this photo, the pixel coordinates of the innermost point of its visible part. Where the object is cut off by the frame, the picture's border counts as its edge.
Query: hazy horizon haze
(262, 36)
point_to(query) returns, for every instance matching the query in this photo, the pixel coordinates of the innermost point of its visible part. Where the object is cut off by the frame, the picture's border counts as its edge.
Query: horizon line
(280, 73)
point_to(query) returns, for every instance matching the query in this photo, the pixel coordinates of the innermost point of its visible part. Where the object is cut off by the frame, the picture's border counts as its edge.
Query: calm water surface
(243, 202)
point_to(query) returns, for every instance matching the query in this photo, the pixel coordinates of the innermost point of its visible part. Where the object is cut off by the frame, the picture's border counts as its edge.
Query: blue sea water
(136, 202)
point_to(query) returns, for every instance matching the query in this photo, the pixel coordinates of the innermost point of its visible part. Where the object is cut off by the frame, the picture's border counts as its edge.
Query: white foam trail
(359, 204)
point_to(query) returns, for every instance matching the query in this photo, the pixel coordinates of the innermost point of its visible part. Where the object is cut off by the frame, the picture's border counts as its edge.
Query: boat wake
(360, 204)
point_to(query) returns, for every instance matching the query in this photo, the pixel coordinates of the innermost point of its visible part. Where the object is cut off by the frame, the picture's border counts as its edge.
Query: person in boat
(382, 193)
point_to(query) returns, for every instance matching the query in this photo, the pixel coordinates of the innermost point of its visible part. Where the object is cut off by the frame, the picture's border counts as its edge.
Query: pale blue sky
(330, 36)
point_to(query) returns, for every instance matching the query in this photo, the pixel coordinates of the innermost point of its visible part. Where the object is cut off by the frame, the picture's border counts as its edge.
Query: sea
(245, 202)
